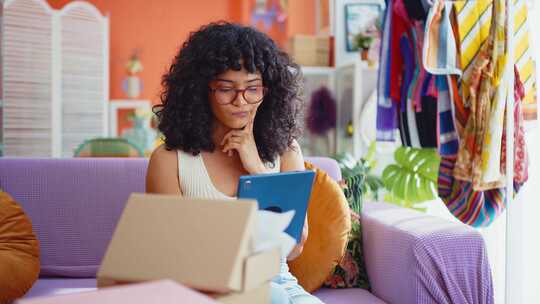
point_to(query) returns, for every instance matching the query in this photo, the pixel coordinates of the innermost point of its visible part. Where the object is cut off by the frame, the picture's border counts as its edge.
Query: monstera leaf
(413, 179)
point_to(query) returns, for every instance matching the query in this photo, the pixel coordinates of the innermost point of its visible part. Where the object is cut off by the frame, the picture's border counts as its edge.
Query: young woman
(229, 108)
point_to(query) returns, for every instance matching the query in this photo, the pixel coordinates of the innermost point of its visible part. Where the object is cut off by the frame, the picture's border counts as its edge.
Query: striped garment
(386, 123)
(407, 49)
(475, 208)
(440, 52)
(490, 173)
(440, 58)
(420, 74)
(409, 120)
(474, 19)
(448, 142)
(481, 208)
(483, 82)
(521, 157)
(460, 184)
(524, 60)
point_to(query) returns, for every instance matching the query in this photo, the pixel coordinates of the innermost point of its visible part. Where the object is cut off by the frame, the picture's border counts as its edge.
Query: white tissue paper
(270, 232)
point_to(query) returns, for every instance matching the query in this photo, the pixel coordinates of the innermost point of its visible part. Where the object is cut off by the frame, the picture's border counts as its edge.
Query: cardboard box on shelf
(203, 244)
(309, 50)
(163, 292)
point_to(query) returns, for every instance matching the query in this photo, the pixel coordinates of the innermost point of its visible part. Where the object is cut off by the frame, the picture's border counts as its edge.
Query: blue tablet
(281, 192)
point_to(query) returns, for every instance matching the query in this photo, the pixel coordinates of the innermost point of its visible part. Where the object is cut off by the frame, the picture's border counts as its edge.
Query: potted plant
(409, 182)
(359, 177)
(358, 184)
(363, 41)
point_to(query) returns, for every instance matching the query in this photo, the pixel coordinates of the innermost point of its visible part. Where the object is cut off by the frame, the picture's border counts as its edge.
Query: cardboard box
(310, 50)
(163, 292)
(203, 244)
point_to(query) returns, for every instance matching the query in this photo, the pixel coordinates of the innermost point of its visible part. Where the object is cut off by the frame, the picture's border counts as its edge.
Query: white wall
(531, 224)
(531, 193)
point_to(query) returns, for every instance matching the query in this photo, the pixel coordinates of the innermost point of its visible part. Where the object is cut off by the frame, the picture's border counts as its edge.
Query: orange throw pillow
(19, 251)
(329, 221)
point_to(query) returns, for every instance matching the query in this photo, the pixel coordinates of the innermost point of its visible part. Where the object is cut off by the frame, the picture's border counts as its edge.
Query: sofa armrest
(412, 257)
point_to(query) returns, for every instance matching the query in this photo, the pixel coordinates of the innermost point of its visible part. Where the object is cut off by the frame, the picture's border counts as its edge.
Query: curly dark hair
(185, 116)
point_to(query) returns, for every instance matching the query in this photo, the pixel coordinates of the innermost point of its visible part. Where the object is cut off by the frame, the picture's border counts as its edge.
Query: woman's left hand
(297, 250)
(243, 142)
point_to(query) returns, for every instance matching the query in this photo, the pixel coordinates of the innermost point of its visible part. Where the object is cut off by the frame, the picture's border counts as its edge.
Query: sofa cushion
(346, 296)
(19, 250)
(58, 286)
(329, 226)
(351, 271)
(74, 205)
(160, 291)
(53, 286)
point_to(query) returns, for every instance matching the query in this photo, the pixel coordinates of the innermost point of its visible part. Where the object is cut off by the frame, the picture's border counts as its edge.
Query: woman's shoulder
(164, 160)
(292, 159)
(163, 155)
(162, 173)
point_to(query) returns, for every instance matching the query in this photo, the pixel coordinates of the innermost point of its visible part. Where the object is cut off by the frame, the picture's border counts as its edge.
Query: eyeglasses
(251, 94)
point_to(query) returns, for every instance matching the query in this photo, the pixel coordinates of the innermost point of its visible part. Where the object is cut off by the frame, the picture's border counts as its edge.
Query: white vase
(133, 86)
(141, 134)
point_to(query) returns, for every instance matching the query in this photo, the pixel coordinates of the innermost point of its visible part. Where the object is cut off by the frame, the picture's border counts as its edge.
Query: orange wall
(159, 28)
(301, 17)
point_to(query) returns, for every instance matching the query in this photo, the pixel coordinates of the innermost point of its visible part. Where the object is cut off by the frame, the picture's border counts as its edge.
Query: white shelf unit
(317, 70)
(355, 83)
(351, 85)
(315, 78)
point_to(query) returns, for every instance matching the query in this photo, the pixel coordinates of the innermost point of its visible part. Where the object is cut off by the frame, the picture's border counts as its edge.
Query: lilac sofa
(74, 205)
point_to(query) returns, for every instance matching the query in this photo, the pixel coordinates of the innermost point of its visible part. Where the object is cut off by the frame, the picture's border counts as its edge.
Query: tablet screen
(281, 192)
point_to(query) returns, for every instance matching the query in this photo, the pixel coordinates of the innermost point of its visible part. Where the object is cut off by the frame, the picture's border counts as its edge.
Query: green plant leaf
(414, 176)
(389, 198)
(370, 156)
(390, 175)
(360, 184)
(374, 182)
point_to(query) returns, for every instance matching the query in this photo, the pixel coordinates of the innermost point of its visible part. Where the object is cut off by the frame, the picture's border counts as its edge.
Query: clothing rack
(512, 277)
(511, 271)
(513, 267)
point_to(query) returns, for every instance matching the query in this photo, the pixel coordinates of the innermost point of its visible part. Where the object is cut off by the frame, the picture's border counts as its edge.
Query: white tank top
(195, 180)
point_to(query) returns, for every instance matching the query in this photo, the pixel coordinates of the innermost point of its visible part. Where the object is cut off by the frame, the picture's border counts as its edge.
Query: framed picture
(351, 17)
(361, 17)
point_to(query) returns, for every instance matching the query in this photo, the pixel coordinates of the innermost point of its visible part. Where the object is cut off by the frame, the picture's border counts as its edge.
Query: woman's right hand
(297, 250)
(243, 142)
